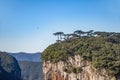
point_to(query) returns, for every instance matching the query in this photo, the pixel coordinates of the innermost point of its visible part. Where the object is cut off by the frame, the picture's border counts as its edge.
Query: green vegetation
(73, 69)
(102, 49)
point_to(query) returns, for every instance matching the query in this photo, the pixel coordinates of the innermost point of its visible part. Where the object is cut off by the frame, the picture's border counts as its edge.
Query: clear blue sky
(28, 25)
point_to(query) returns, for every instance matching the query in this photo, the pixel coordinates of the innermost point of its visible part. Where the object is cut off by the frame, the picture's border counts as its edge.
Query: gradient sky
(28, 25)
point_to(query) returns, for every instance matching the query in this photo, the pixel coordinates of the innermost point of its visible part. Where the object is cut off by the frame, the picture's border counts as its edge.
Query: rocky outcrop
(9, 68)
(73, 69)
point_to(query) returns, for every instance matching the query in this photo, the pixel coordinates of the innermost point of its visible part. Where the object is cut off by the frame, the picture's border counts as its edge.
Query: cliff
(30, 64)
(31, 70)
(9, 68)
(77, 70)
(85, 58)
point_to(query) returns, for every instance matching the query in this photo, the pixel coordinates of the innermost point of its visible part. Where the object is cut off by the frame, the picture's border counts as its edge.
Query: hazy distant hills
(22, 56)
(31, 70)
(30, 64)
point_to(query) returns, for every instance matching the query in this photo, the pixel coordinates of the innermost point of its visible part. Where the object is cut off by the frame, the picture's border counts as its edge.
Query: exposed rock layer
(56, 71)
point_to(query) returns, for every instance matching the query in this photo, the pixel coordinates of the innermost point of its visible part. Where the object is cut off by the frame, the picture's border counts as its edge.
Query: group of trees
(79, 33)
(102, 49)
(76, 34)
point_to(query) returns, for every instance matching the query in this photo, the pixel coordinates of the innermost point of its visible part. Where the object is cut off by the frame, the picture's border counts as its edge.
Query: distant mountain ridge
(30, 64)
(22, 56)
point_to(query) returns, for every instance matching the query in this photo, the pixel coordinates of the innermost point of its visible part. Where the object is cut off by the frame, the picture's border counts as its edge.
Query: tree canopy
(102, 49)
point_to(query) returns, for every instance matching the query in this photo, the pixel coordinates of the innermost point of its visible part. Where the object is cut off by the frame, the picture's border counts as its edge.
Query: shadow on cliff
(4, 75)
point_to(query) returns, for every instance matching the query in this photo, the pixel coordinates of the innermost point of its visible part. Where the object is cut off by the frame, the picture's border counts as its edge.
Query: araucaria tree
(90, 32)
(78, 32)
(59, 34)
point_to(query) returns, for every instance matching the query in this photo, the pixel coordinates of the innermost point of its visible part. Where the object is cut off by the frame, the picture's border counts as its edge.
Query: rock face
(31, 70)
(9, 68)
(30, 64)
(80, 70)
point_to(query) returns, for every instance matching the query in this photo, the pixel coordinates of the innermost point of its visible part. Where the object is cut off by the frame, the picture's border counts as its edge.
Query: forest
(100, 48)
